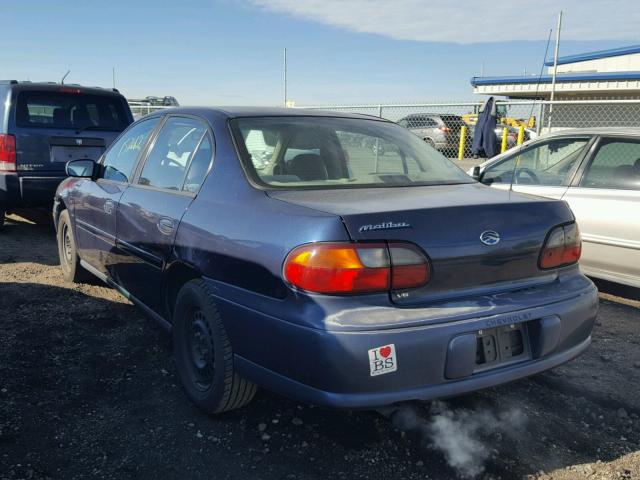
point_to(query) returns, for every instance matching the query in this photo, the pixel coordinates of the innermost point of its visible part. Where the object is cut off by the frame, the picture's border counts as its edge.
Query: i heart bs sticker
(383, 360)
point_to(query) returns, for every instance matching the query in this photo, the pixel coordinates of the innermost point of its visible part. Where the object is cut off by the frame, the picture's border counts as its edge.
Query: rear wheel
(204, 356)
(72, 271)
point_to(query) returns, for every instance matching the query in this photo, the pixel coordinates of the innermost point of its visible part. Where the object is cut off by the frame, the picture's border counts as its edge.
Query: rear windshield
(452, 120)
(75, 111)
(327, 152)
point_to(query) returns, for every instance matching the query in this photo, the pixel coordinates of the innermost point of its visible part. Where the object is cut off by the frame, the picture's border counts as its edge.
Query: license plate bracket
(502, 346)
(63, 153)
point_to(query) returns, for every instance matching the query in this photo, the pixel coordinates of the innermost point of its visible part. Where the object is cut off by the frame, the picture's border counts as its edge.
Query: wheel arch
(58, 206)
(176, 275)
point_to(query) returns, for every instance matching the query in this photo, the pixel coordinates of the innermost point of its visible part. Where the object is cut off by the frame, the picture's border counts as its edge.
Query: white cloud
(469, 21)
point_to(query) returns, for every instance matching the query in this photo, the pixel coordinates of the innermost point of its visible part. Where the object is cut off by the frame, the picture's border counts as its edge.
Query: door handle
(166, 225)
(108, 207)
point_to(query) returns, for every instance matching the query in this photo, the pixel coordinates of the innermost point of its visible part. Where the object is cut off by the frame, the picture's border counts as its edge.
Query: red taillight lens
(563, 247)
(7, 153)
(409, 267)
(339, 268)
(445, 129)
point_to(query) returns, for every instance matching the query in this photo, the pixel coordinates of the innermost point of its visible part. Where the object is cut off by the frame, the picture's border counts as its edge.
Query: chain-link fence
(140, 109)
(450, 126)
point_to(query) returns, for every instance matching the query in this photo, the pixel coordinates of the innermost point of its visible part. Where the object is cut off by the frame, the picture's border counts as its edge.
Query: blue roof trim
(581, 57)
(572, 77)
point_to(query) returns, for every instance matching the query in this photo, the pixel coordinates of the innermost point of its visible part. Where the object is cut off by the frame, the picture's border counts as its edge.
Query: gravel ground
(88, 389)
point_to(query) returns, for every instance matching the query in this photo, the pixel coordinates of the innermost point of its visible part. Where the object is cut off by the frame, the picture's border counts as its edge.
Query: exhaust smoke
(465, 437)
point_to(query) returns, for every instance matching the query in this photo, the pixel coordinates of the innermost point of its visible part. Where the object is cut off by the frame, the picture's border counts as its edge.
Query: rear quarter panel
(609, 221)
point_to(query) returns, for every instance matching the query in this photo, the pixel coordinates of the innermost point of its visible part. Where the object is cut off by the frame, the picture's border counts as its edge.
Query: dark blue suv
(283, 251)
(42, 127)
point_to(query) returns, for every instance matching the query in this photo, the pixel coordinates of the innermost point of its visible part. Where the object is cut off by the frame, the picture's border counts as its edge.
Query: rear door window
(67, 110)
(615, 165)
(172, 153)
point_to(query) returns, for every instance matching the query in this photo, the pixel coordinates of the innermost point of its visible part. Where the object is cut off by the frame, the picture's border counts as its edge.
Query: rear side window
(421, 122)
(74, 111)
(616, 165)
(172, 155)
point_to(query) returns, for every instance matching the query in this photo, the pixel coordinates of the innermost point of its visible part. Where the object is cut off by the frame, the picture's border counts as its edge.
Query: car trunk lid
(447, 221)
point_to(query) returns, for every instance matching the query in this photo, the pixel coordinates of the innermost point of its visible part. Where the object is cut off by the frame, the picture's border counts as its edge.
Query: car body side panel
(609, 221)
(146, 225)
(95, 204)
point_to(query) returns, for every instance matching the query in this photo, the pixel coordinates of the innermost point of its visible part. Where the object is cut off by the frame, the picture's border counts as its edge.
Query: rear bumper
(332, 367)
(291, 388)
(18, 191)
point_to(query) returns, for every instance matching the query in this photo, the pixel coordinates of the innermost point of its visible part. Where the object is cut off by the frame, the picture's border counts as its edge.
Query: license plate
(501, 346)
(67, 153)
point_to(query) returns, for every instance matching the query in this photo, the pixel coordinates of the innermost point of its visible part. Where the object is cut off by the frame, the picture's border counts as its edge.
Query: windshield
(328, 152)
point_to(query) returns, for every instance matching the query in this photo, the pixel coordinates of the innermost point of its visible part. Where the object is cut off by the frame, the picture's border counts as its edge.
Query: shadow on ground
(88, 388)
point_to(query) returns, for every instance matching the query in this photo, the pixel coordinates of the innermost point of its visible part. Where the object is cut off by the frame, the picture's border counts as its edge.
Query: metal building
(601, 75)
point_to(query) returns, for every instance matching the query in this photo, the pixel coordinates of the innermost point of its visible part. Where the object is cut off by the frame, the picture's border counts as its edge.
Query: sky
(223, 52)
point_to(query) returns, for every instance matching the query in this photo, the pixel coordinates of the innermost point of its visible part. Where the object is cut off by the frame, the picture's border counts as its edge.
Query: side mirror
(476, 173)
(83, 168)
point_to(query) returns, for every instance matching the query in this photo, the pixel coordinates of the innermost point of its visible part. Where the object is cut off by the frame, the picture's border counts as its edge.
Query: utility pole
(285, 77)
(555, 69)
(113, 72)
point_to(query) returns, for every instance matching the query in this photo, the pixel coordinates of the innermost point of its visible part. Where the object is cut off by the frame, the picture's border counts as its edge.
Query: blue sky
(220, 52)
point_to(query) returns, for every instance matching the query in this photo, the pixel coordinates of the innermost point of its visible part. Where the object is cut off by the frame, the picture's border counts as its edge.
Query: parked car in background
(166, 101)
(42, 127)
(597, 172)
(441, 131)
(282, 251)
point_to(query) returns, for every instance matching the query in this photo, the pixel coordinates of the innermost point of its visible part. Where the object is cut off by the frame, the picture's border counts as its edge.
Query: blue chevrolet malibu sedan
(335, 259)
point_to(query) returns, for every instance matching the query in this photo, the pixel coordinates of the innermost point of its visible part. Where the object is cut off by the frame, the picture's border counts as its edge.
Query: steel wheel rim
(66, 244)
(200, 351)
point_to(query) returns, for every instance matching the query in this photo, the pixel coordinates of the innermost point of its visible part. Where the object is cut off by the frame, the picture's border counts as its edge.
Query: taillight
(409, 267)
(563, 247)
(7, 153)
(340, 268)
(445, 129)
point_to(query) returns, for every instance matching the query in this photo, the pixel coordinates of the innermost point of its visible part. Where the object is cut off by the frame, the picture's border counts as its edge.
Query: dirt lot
(88, 389)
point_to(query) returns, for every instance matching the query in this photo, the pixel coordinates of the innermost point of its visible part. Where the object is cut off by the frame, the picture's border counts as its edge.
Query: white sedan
(597, 172)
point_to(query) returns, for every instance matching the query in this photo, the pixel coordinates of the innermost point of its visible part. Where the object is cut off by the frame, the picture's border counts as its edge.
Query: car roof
(633, 131)
(53, 86)
(240, 112)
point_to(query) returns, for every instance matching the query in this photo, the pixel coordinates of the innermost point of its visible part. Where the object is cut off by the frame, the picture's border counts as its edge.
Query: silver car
(438, 130)
(597, 172)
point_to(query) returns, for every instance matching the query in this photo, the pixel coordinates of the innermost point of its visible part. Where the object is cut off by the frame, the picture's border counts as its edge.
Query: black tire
(203, 352)
(72, 271)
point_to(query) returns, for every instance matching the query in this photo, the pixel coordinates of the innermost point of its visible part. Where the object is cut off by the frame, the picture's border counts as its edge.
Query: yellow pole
(463, 139)
(505, 134)
(520, 134)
